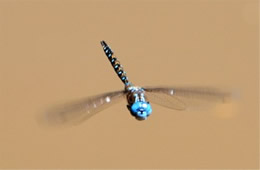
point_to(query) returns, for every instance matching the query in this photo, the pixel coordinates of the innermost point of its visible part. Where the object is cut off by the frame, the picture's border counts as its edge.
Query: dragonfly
(138, 98)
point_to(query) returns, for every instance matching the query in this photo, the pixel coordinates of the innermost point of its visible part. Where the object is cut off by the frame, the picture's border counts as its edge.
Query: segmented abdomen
(115, 63)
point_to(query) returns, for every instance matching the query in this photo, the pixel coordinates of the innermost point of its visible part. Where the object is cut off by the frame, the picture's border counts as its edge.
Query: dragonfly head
(140, 110)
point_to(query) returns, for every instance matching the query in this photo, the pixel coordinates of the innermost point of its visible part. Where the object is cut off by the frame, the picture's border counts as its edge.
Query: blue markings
(116, 66)
(123, 78)
(141, 110)
(120, 72)
(113, 60)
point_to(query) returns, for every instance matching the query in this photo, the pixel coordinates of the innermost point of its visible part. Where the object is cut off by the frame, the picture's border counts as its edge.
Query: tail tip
(103, 43)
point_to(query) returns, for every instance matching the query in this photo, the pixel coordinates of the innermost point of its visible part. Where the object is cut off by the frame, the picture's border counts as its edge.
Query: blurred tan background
(50, 51)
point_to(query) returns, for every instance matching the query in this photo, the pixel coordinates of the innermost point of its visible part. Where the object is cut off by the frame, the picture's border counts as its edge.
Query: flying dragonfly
(138, 98)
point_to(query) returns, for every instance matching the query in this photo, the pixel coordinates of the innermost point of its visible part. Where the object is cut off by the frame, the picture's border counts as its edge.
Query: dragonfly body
(138, 106)
(138, 98)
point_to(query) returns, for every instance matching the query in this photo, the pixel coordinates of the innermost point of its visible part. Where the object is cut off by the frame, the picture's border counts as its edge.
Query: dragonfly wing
(180, 98)
(77, 111)
(163, 99)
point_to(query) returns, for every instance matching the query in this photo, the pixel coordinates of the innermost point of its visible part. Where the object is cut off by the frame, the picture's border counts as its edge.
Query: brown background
(50, 51)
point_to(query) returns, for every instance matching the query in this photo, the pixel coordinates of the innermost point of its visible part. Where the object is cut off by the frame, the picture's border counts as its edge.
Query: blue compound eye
(141, 110)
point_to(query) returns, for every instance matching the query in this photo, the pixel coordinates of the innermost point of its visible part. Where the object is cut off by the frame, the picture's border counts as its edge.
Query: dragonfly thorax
(137, 104)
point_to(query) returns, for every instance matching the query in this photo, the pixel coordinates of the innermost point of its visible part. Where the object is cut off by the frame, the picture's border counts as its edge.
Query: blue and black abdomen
(115, 63)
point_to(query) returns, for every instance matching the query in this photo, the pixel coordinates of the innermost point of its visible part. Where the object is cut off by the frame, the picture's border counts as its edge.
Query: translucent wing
(77, 111)
(180, 98)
